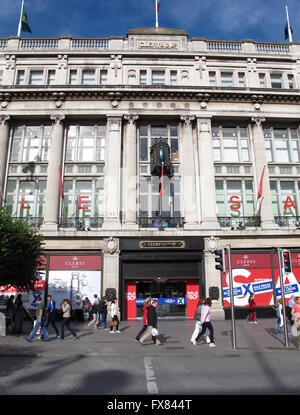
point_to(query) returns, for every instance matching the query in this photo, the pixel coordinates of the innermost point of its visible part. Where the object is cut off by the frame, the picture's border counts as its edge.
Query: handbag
(154, 332)
(294, 330)
(113, 324)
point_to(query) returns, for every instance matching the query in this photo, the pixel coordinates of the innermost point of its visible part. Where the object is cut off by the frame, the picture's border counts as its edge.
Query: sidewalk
(175, 336)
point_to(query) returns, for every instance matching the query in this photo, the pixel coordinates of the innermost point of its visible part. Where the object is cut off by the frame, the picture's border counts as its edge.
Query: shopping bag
(154, 332)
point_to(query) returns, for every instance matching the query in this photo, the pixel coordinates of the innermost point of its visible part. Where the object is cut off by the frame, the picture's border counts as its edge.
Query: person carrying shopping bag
(206, 323)
(198, 325)
(152, 325)
(147, 304)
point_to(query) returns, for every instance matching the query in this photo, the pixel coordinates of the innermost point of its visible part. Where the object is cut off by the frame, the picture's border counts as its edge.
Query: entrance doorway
(176, 297)
(171, 296)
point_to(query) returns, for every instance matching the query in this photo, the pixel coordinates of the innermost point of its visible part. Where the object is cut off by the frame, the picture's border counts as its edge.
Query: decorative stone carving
(4, 118)
(111, 245)
(10, 61)
(212, 244)
(131, 118)
(57, 118)
(187, 119)
(62, 62)
(258, 121)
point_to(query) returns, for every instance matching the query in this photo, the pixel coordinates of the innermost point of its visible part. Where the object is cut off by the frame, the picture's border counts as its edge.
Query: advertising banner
(130, 300)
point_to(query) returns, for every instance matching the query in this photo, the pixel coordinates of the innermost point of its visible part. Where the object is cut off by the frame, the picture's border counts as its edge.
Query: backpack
(101, 307)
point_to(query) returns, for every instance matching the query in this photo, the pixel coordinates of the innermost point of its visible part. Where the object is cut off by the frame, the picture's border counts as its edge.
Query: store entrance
(171, 296)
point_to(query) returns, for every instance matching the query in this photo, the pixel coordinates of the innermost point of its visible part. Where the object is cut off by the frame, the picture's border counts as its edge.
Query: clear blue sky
(261, 20)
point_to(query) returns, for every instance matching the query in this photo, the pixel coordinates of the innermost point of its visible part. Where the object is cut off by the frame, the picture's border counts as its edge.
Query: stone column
(4, 140)
(111, 257)
(52, 189)
(112, 187)
(266, 211)
(188, 173)
(207, 175)
(130, 173)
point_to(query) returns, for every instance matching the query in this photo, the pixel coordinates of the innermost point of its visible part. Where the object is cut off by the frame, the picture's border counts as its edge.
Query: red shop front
(175, 297)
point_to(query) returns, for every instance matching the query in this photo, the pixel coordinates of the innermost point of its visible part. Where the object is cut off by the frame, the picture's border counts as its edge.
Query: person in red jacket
(147, 304)
(252, 308)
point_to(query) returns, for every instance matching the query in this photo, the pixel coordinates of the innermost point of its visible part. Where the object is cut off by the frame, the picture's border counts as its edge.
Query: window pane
(21, 78)
(88, 77)
(103, 77)
(276, 80)
(226, 79)
(36, 78)
(73, 77)
(143, 77)
(158, 77)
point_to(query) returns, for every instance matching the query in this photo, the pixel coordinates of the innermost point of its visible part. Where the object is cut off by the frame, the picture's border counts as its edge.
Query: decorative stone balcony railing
(161, 222)
(239, 223)
(118, 43)
(80, 224)
(288, 221)
(35, 222)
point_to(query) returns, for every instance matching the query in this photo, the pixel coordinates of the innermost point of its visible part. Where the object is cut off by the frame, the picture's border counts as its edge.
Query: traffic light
(286, 260)
(220, 260)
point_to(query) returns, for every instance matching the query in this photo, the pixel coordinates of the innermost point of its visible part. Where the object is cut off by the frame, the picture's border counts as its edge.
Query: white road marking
(150, 376)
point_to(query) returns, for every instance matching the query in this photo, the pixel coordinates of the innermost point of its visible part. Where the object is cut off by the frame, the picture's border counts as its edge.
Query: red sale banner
(192, 297)
(130, 299)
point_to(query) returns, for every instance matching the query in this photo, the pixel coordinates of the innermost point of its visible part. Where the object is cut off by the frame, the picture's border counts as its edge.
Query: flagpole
(288, 22)
(20, 21)
(156, 14)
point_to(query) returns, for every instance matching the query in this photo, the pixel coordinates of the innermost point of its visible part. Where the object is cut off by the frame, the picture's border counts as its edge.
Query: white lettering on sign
(158, 45)
(131, 296)
(192, 295)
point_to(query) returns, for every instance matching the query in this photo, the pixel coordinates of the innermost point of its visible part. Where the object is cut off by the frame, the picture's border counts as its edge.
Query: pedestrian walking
(252, 309)
(51, 312)
(152, 324)
(147, 304)
(289, 308)
(86, 306)
(198, 325)
(66, 309)
(114, 316)
(296, 309)
(39, 322)
(19, 315)
(102, 310)
(10, 312)
(206, 323)
(279, 318)
(78, 308)
(94, 312)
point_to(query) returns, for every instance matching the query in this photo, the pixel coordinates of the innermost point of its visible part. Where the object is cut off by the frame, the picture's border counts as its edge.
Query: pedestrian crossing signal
(286, 260)
(220, 260)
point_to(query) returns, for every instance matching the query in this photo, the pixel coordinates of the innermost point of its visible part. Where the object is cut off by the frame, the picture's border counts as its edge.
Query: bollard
(2, 325)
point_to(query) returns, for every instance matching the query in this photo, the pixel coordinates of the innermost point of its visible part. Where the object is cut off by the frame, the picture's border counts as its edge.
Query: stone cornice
(119, 93)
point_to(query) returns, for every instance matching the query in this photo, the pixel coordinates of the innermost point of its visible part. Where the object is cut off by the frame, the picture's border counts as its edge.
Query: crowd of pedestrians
(96, 314)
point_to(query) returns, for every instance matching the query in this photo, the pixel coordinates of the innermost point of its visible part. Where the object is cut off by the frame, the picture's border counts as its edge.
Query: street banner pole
(286, 338)
(231, 298)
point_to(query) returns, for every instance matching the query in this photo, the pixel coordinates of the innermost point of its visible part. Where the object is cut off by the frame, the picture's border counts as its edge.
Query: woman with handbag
(198, 325)
(206, 323)
(114, 316)
(152, 325)
(147, 303)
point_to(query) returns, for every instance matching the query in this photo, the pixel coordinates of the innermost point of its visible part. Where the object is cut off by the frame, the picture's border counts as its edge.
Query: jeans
(51, 319)
(103, 320)
(66, 322)
(277, 326)
(206, 325)
(252, 315)
(141, 332)
(36, 326)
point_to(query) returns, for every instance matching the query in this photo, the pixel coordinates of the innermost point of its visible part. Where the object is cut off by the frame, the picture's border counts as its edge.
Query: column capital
(131, 118)
(187, 119)
(57, 118)
(258, 121)
(4, 118)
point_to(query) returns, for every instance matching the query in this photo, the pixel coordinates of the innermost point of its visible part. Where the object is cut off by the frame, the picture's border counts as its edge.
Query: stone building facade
(78, 118)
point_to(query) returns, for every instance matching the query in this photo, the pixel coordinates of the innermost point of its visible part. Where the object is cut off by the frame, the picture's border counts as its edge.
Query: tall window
(73, 77)
(143, 77)
(285, 197)
(235, 198)
(20, 77)
(30, 143)
(231, 144)
(51, 77)
(282, 145)
(103, 76)
(149, 186)
(212, 78)
(26, 198)
(86, 143)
